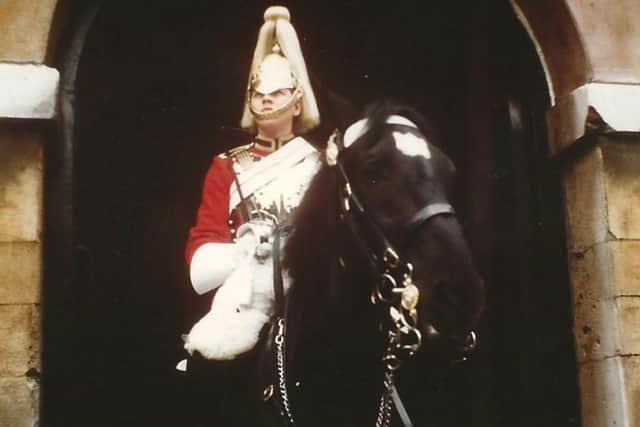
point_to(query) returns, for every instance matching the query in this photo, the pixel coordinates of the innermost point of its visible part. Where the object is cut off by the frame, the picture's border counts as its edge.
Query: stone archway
(113, 289)
(590, 51)
(590, 55)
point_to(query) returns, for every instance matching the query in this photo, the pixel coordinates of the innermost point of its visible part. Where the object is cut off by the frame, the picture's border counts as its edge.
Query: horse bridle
(395, 292)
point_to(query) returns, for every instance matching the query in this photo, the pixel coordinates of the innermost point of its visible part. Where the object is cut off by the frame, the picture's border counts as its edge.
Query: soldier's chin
(267, 121)
(269, 115)
(271, 120)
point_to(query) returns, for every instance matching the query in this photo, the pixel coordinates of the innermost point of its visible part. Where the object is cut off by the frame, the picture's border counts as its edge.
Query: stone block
(550, 24)
(20, 272)
(621, 159)
(610, 36)
(626, 267)
(603, 393)
(20, 338)
(615, 103)
(25, 31)
(595, 312)
(585, 202)
(597, 332)
(20, 184)
(631, 365)
(28, 91)
(629, 315)
(606, 304)
(19, 399)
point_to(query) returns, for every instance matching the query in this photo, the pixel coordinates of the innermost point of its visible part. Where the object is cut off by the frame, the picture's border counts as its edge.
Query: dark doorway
(156, 82)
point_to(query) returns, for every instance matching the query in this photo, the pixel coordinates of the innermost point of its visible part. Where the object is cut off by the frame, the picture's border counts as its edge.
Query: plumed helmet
(278, 64)
(273, 73)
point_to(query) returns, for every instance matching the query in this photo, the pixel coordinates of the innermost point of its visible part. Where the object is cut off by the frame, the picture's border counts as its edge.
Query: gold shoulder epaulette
(232, 152)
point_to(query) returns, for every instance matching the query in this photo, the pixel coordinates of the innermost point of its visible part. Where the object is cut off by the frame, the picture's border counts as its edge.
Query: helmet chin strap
(274, 114)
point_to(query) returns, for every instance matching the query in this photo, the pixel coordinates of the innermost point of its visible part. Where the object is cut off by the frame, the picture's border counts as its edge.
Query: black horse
(383, 283)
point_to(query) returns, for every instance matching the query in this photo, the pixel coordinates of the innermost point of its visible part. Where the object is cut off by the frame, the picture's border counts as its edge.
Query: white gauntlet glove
(262, 238)
(244, 303)
(212, 263)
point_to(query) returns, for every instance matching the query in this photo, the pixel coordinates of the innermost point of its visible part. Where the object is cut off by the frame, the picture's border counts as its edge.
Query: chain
(404, 337)
(282, 384)
(384, 409)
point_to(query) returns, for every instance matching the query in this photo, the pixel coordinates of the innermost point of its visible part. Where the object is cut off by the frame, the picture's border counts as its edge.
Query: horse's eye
(376, 173)
(374, 177)
(377, 176)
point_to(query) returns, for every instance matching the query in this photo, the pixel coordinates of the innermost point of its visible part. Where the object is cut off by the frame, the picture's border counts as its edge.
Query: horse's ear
(336, 111)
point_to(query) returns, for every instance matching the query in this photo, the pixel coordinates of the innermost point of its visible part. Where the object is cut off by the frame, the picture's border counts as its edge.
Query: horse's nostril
(445, 295)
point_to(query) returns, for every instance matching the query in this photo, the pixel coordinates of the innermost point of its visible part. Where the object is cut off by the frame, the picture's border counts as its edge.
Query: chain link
(403, 319)
(282, 383)
(403, 336)
(384, 409)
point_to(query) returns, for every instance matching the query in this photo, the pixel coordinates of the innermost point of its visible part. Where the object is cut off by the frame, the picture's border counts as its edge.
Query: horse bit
(395, 292)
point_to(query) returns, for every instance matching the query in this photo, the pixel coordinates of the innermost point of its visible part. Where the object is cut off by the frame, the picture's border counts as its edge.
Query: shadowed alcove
(156, 83)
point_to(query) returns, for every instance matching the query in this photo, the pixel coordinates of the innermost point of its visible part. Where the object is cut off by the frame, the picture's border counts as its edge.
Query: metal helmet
(278, 64)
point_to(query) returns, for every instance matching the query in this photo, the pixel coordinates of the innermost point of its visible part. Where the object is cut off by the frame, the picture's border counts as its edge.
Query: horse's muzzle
(464, 345)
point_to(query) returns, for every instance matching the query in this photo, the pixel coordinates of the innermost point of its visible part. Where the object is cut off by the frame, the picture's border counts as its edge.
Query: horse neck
(336, 357)
(330, 311)
(333, 343)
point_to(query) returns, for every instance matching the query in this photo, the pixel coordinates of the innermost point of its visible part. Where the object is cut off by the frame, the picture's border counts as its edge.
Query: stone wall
(590, 52)
(20, 266)
(602, 189)
(580, 43)
(25, 31)
(24, 41)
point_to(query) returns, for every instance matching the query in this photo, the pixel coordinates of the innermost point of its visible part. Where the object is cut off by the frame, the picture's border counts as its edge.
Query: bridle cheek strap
(378, 247)
(426, 213)
(385, 261)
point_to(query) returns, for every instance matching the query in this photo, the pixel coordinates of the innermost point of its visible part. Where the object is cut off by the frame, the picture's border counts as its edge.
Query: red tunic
(212, 221)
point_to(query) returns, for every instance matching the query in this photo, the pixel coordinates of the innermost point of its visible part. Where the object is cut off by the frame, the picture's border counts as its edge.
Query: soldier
(279, 104)
(247, 191)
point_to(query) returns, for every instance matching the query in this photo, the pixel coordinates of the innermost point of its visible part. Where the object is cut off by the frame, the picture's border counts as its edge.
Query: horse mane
(334, 345)
(310, 253)
(310, 246)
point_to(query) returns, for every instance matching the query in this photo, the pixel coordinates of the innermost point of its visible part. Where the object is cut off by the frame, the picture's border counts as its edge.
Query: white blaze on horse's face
(411, 145)
(407, 143)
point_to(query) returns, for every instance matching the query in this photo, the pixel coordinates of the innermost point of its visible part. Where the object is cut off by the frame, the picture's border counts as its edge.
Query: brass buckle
(267, 393)
(390, 257)
(332, 151)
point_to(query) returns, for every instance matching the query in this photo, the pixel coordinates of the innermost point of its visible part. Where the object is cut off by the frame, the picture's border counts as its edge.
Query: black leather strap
(402, 411)
(429, 211)
(425, 214)
(278, 286)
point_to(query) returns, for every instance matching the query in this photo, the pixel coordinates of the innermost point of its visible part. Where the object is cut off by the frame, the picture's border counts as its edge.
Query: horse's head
(398, 203)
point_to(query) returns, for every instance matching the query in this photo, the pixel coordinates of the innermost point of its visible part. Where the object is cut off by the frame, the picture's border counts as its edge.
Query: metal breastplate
(273, 186)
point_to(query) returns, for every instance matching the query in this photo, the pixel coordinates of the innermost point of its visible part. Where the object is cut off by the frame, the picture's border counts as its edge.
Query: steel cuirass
(268, 189)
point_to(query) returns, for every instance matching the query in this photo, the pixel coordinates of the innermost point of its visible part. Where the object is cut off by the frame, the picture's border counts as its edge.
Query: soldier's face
(263, 103)
(267, 102)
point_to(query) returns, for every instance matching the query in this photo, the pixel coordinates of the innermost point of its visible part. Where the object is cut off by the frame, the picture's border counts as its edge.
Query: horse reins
(395, 292)
(280, 338)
